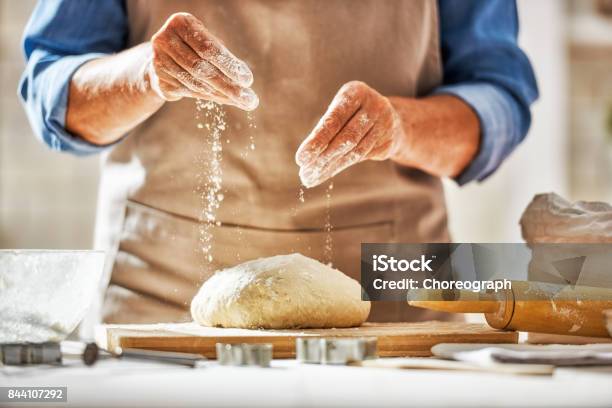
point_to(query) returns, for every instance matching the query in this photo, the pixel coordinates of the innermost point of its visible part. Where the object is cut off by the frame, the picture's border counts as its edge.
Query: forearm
(440, 135)
(111, 95)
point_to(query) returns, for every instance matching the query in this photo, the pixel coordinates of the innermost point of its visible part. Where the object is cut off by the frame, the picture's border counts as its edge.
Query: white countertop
(287, 383)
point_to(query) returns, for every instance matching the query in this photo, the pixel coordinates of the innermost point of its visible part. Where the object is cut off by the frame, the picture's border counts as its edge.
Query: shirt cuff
(499, 124)
(52, 106)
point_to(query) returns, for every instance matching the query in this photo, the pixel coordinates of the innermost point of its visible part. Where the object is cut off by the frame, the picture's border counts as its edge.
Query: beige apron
(300, 52)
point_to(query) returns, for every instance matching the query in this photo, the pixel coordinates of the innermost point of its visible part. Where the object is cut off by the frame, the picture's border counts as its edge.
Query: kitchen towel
(552, 354)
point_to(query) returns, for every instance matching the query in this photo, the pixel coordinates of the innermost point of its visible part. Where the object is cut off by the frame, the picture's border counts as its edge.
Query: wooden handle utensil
(528, 306)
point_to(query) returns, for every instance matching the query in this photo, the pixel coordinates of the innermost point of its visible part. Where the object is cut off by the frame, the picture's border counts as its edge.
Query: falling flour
(252, 127)
(329, 249)
(211, 117)
(251, 146)
(251, 142)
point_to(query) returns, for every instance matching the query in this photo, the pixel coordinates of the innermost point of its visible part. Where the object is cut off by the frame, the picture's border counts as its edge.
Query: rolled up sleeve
(61, 36)
(484, 66)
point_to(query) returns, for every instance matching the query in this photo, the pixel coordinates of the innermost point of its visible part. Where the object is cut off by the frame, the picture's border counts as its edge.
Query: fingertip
(297, 158)
(310, 177)
(302, 156)
(249, 99)
(311, 183)
(308, 183)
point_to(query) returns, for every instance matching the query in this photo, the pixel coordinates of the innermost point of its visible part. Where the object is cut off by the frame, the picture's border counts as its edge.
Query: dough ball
(280, 292)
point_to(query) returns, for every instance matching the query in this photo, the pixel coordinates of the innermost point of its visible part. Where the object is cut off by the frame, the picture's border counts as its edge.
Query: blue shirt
(482, 62)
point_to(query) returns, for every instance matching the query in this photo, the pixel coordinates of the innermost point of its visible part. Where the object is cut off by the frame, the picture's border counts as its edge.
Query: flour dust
(211, 117)
(250, 147)
(328, 248)
(252, 127)
(329, 244)
(251, 142)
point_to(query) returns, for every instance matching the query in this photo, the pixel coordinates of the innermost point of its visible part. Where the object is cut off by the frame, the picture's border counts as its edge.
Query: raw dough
(281, 292)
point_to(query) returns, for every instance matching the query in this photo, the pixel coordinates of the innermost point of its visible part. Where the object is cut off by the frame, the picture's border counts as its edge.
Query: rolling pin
(528, 306)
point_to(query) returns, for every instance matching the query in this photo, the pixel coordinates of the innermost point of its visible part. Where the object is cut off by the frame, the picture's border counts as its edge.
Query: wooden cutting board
(394, 339)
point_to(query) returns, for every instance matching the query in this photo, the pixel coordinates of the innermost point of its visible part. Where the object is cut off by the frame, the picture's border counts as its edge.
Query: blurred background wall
(569, 147)
(47, 199)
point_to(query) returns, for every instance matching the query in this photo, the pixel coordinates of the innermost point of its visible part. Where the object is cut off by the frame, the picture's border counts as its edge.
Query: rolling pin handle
(453, 300)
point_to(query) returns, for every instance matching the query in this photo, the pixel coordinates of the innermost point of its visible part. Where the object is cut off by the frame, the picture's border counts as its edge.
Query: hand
(360, 124)
(188, 61)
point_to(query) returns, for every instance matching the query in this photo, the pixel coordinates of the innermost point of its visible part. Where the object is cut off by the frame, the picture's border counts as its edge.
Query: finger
(344, 105)
(193, 87)
(208, 47)
(205, 72)
(345, 141)
(244, 97)
(376, 144)
(361, 152)
(174, 90)
(168, 66)
(180, 84)
(370, 141)
(331, 169)
(214, 97)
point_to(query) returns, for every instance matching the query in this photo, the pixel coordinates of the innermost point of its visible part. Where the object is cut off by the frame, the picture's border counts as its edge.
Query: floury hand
(112, 94)
(437, 134)
(188, 61)
(360, 124)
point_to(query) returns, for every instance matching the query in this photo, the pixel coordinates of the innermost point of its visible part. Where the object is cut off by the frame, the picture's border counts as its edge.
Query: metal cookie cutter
(335, 350)
(244, 354)
(30, 353)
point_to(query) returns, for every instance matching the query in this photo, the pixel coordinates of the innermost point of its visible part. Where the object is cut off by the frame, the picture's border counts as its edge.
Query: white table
(123, 383)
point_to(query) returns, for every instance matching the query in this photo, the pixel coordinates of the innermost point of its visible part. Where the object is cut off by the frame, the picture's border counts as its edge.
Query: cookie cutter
(244, 354)
(30, 353)
(335, 350)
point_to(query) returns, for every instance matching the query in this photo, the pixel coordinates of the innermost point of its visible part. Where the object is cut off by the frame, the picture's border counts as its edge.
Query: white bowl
(44, 294)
